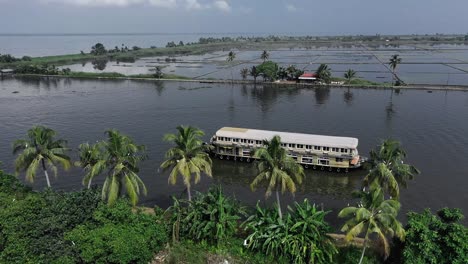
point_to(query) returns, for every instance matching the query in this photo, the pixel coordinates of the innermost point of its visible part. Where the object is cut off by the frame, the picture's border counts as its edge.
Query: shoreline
(426, 87)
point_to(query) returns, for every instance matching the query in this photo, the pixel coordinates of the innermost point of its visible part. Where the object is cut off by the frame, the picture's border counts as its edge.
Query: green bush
(32, 227)
(300, 237)
(210, 217)
(9, 184)
(430, 239)
(269, 70)
(118, 235)
(353, 255)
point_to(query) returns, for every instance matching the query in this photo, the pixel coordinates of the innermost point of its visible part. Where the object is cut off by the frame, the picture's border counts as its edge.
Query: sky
(311, 17)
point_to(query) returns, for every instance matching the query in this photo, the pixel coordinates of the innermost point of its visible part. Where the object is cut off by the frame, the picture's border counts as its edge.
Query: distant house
(6, 72)
(308, 77)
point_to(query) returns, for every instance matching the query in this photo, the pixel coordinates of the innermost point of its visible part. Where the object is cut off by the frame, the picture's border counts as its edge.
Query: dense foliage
(299, 237)
(32, 225)
(211, 217)
(117, 235)
(436, 239)
(269, 70)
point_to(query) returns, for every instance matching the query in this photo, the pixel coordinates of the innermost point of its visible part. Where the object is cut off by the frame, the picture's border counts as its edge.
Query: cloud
(291, 8)
(222, 5)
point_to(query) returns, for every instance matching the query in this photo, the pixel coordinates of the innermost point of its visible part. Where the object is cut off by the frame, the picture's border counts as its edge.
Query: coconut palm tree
(324, 73)
(230, 58)
(123, 157)
(40, 149)
(254, 73)
(265, 56)
(188, 157)
(387, 168)
(277, 169)
(373, 216)
(349, 75)
(93, 160)
(244, 73)
(393, 63)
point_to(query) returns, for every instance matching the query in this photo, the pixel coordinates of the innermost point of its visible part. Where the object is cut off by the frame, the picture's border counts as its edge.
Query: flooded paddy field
(421, 64)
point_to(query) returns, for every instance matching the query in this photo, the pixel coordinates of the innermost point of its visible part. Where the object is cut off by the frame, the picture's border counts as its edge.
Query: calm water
(433, 128)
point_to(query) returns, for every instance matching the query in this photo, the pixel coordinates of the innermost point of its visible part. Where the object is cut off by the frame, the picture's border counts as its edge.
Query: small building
(308, 77)
(6, 72)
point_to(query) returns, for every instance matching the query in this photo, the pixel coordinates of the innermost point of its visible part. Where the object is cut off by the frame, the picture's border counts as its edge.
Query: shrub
(353, 255)
(300, 237)
(430, 239)
(32, 227)
(268, 70)
(117, 235)
(210, 217)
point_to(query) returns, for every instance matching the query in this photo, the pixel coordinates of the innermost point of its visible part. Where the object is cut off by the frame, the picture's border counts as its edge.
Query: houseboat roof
(287, 137)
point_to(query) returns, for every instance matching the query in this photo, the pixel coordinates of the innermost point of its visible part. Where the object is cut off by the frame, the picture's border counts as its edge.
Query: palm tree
(40, 149)
(93, 160)
(265, 56)
(393, 63)
(188, 157)
(123, 157)
(374, 215)
(231, 57)
(349, 75)
(324, 73)
(387, 168)
(244, 73)
(280, 171)
(254, 73)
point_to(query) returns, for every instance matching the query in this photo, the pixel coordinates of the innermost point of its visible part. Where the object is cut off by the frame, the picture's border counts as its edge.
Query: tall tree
(393, 63)
(349, 75)
(265, 56)
(93, 160)
(188, 157)
(244, 73)
(388, 169)
(123, 157)
(277, 169)
(40, 149)
(373, 216)
(230, 58)
(324, 73)
(254, 73)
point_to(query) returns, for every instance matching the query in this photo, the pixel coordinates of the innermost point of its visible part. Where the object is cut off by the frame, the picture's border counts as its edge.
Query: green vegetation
(393, 63)
(101, 226)
(387, 168)
(299, 237)
(40, 149)
(188, 157)
(268, 70)
(349, 75)
(436, 239)
(324, 73)
(265, 56)
(277, 169)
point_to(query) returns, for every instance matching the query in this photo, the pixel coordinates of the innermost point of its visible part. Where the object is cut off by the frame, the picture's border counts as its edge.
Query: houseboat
(312, 151)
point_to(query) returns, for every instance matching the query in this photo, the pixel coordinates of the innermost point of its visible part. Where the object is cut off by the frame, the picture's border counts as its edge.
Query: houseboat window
(235, 140)
(326, 149)
(339, 160)
(344, 150)
(317, 147)
(251, 141)
(300, 146)
(307, 160)
(308, 147)
(335, 149)
(283, 144)
(292, 145)
(258, 142)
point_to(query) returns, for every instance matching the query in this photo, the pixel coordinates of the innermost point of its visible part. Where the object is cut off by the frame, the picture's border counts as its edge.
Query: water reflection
(348, 97)
(321, 95)
(159, 86)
